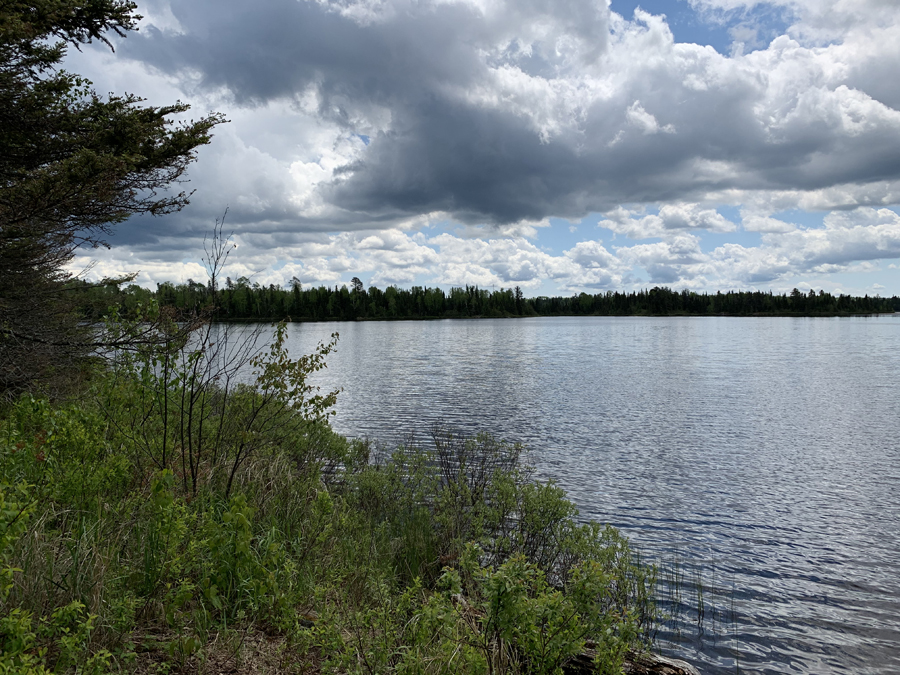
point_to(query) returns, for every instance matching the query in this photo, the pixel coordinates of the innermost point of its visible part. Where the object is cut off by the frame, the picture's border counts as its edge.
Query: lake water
(758, 458)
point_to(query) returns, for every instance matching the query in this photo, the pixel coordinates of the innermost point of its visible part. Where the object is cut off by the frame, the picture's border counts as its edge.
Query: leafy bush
(431, 503)
(170, 502)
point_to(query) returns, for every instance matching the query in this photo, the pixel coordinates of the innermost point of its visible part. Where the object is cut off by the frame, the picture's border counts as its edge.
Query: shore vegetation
(178, 516)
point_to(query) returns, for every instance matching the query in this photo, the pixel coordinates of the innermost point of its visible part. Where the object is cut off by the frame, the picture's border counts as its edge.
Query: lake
(757, 459)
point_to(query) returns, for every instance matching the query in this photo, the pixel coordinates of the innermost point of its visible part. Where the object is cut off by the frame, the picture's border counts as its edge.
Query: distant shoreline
(289, 319)
(242, 300)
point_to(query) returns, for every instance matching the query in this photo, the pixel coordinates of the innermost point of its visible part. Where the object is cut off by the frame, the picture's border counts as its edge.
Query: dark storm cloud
(279, 49)
(429, 141)
(471, 163)
(668, 122)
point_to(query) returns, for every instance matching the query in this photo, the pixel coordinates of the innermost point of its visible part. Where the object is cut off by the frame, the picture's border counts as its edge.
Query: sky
(562, 146)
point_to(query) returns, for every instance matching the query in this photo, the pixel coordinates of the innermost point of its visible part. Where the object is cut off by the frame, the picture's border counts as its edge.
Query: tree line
(244, 300)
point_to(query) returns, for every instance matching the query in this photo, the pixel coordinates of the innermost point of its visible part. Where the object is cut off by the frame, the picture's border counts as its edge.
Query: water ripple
(756, 458)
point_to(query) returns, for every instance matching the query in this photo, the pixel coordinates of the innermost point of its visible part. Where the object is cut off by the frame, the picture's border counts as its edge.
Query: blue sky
(557, 145)
(718, 28)
(685, 23)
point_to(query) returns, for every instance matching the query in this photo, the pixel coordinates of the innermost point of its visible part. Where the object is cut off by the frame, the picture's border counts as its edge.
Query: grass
(163, 522)
(695, 604)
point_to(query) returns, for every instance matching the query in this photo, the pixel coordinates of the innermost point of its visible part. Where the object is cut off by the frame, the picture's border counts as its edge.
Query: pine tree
(72, 165)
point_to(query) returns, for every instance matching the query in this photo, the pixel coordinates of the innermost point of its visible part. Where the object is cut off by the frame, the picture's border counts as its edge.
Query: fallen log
(644, 663)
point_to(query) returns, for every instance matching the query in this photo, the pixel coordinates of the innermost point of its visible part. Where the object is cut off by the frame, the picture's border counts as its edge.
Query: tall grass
(140, 532)
(695, 603)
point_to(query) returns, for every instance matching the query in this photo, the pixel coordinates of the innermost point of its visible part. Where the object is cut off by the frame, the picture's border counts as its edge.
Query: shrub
(244, 511)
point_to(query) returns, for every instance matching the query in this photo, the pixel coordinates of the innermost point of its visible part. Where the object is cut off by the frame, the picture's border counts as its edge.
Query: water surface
(758, 456)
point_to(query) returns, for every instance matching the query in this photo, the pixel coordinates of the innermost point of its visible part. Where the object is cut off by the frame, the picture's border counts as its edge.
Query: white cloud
(845, 239)
(863, 217)
(757, 223)
(636, 116)
(686, 123)
(355, 125)
(848, 242)
(672, 218)
(818, 21)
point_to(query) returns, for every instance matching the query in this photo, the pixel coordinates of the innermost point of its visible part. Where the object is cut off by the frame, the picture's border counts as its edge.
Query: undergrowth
(173, 519)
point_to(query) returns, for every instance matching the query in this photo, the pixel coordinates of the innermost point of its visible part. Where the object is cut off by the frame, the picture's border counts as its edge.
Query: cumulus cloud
(758, 223)
(820, 20)
(865, 234)
(636, 116)
(848, 241)
(357, 123)
(495, 112)
(671, 219)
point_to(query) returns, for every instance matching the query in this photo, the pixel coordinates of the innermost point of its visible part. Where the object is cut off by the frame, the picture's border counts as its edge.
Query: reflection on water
(758, 457)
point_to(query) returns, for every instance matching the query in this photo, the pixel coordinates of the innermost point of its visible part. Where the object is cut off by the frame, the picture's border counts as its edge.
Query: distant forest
(243, 300)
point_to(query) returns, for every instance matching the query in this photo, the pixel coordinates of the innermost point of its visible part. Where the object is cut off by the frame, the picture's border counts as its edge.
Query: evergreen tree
(72, 165)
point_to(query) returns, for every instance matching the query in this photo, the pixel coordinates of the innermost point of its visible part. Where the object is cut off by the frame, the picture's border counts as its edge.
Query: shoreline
(761, 315)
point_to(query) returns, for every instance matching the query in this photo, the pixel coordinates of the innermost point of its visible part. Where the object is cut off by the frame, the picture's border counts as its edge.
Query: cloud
(757, 223)
(815, 20)
(848, 241)
(864, 234)
(495, 112)
(863, 217)
(672, 218)
(505, 262)
(357, 125)
(636, 116)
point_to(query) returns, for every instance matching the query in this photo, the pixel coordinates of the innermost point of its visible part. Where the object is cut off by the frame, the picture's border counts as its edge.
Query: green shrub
(169, 499)
(516, 622)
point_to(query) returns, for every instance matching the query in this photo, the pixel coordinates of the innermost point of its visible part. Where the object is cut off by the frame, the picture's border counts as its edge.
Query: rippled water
(758, 458)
